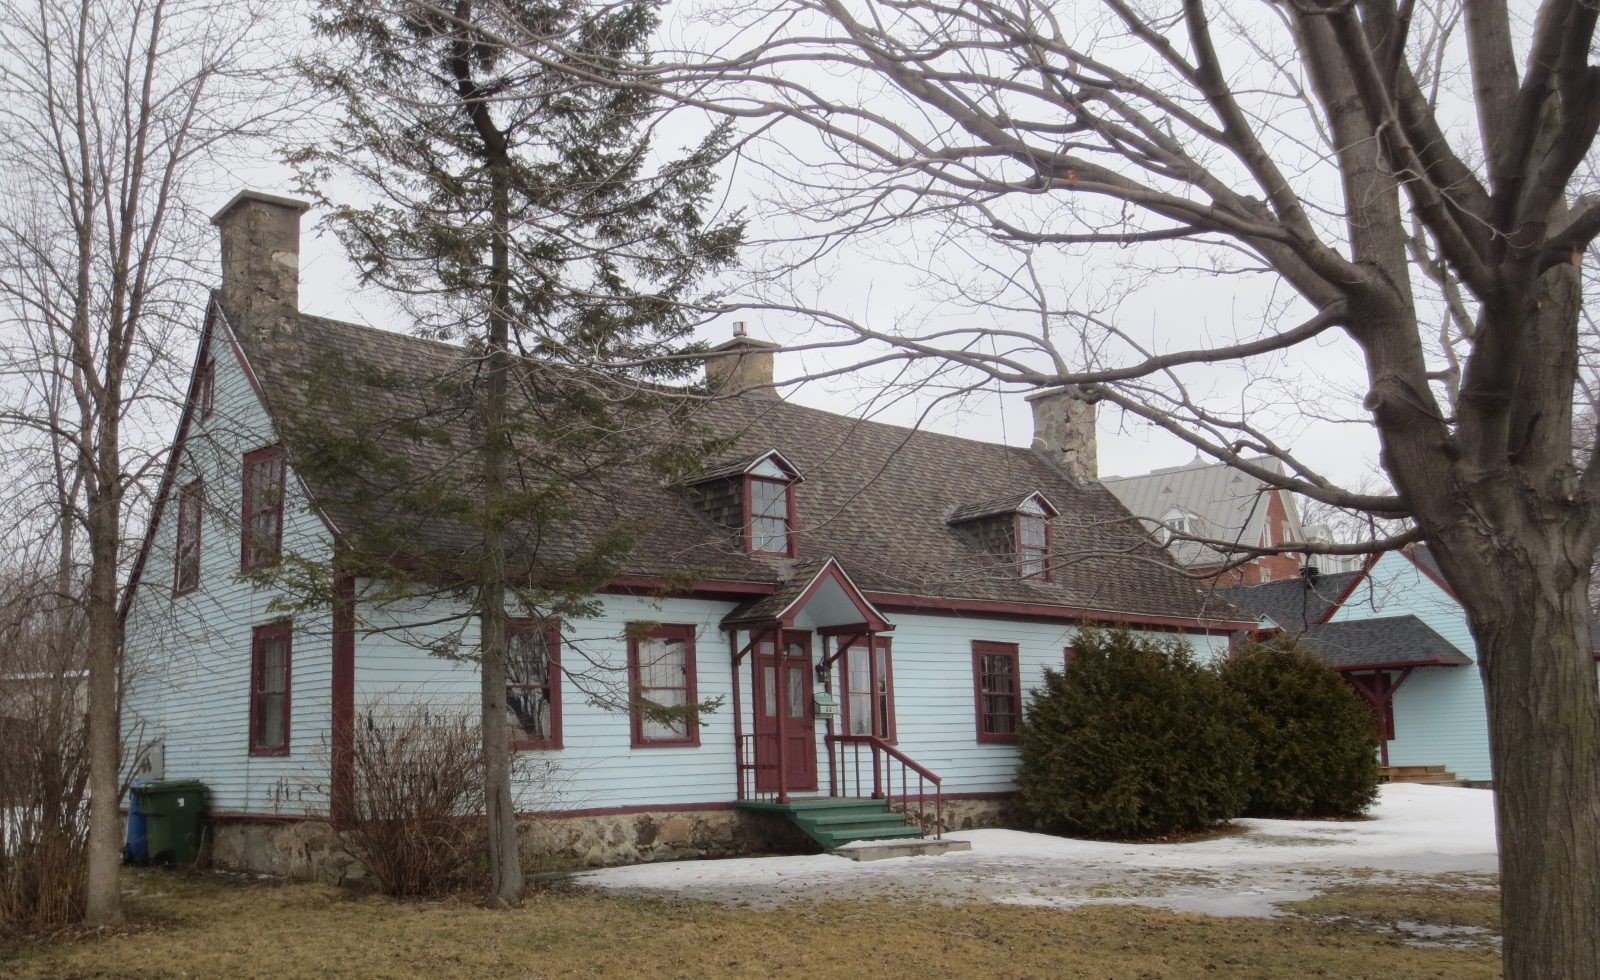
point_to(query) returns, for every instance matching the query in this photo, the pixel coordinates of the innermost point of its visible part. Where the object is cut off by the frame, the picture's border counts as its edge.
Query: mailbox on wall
(826, 704)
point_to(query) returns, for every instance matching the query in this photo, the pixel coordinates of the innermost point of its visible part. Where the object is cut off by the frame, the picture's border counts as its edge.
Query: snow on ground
(1416, 830)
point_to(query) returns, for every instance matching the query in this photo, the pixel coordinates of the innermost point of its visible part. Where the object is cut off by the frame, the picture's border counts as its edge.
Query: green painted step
(840, 821)
(833, 822)
(901, 832)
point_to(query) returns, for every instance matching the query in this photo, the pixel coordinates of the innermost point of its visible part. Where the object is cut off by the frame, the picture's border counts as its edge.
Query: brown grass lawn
(197, 926)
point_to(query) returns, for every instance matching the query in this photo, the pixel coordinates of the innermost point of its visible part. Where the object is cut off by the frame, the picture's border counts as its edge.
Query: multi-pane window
(998, 689)
(186, 573)
(269, 690)
(769, 516)
(533, 684)
(1033, 541)
(868, 685)
(661, 669)
(263, 508)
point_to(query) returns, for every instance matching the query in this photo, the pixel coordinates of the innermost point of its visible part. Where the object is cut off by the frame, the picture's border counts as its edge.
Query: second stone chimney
(1064, 430)
(742, 364)
(261, 262)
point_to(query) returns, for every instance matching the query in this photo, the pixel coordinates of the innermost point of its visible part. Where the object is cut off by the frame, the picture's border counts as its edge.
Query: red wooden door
(784, 678)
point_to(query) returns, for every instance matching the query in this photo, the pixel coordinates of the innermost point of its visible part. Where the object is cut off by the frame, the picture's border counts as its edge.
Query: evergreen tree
(1315, 744)
(1134, 739)
(510, 201)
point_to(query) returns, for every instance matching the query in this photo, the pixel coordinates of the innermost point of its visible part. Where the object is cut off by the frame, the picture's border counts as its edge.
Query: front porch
(833, 821)
(813, 715)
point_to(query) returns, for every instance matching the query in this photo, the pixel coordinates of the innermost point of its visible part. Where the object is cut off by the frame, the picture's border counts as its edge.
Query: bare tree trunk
(1544, 741)
(103, 900)
(108, 119)
(505, 861)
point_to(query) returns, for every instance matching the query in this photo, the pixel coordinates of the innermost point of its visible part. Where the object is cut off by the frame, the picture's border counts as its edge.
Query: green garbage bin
(174, 813)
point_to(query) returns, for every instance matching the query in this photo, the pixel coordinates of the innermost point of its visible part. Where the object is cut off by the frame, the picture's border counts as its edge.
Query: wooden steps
(1436, 775)
(834, 821)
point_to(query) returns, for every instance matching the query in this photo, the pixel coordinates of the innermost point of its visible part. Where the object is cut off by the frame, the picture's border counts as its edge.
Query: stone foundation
(309, 849)
(977, 814)
(667, 835)
(304, 849)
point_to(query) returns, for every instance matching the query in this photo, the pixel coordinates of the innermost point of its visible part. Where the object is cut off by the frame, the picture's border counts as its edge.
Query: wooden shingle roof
(874, 495)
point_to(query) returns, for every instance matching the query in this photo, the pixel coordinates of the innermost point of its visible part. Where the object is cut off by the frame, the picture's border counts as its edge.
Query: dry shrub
(44, 774)
(418, 800)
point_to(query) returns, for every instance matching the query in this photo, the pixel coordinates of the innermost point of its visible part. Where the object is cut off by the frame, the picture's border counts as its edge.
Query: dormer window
(1016, 527)
(1033, 540)
(755, 496)
(769, 509)
(1176, 522)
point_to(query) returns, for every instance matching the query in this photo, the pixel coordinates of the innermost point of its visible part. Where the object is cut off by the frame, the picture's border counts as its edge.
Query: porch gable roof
(825, 580)
(1387, 641)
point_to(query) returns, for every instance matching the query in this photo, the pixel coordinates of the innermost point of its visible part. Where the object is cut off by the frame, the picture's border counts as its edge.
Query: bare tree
(1391, 178)
(111, 118)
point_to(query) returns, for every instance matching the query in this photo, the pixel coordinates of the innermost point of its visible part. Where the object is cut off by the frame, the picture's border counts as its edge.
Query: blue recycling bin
(137, 848)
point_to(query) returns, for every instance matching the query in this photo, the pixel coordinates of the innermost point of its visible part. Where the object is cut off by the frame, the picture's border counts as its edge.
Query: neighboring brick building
(1217, 502)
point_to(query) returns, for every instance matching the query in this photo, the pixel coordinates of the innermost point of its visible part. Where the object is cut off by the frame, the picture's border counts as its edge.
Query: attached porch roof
(1387, 641)
(822, 588)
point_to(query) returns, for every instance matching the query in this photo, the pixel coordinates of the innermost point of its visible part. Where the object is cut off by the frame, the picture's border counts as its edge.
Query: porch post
(827, 685)
(780, 701)
(738, 725)
(872, 718)
(872, 685)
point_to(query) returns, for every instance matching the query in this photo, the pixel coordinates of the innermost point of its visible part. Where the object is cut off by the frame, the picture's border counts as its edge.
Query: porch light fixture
(822, 672)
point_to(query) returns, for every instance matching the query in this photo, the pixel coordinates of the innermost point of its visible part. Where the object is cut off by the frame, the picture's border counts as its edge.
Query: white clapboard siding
(1439, 712)
(187, 658)
(597, 767)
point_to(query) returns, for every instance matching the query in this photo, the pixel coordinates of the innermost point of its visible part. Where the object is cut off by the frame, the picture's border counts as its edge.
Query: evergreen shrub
(1135, 739)
(1316, 747)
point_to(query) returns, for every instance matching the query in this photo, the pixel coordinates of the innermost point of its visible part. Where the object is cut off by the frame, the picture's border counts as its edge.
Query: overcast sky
(879, 282)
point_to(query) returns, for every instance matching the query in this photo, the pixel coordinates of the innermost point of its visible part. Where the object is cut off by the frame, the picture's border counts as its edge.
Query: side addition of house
(1398, 635)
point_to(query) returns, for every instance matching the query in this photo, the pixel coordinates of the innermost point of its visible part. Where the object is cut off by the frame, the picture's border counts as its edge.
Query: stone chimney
(261, 262)
(742, 364)
(1063, 430)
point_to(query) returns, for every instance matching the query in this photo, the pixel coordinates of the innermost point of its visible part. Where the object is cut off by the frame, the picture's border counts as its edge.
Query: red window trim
(247, 560)
(208, 388)
(1068, 655)
(552, 641)
(691, 737)
(980, 649)
(258, 638)
(888, 673)
(1049, 573)
(193, 491)
(789, 521)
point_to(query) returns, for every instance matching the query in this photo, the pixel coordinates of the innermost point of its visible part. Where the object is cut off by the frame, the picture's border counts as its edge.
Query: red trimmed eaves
(213, 318)
(1429, 574)
(1349, 590)
(169, 471)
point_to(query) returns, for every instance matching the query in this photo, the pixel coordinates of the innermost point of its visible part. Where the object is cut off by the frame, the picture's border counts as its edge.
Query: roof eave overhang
(1052, 612)
(1403, 664)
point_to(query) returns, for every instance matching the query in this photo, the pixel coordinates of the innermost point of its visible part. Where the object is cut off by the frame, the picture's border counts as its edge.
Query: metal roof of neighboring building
(1230, 504)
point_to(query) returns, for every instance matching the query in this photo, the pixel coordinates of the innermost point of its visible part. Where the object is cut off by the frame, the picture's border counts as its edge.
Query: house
(1398, 635)
(1216, 501)
(869, 603)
